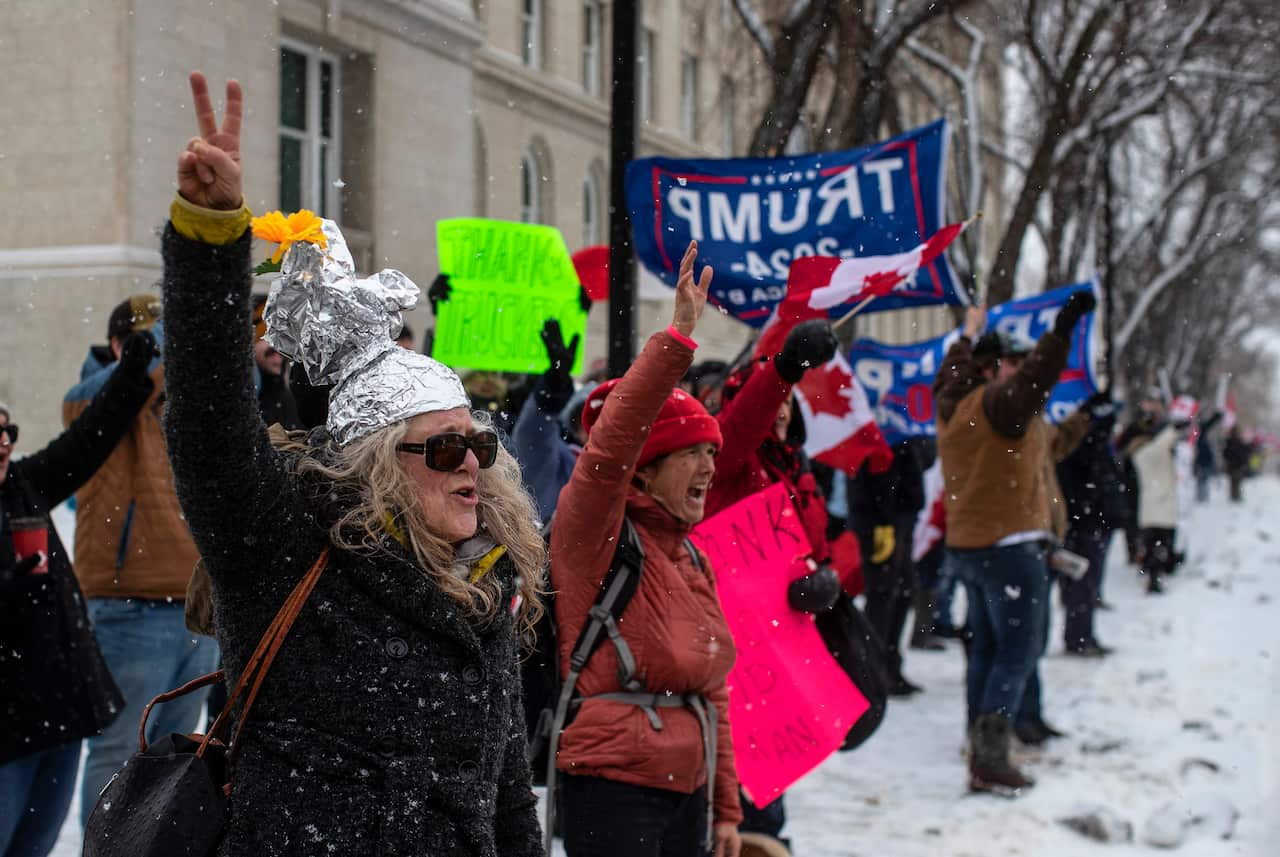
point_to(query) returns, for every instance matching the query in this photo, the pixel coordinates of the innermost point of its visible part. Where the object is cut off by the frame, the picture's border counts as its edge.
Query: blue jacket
(546, 459)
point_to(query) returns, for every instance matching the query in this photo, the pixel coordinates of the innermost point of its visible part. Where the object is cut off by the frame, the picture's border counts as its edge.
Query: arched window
(591, 225)
(530, 188)
(531, 33)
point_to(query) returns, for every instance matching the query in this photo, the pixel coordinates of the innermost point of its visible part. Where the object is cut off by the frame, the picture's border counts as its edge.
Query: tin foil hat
(341, 328)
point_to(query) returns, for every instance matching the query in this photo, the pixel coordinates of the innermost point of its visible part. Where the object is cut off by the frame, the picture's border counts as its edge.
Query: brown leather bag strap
(193, 685)
(260, 661)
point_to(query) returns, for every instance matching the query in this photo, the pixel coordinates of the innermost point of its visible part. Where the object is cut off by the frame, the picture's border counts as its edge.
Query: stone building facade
(387, 115)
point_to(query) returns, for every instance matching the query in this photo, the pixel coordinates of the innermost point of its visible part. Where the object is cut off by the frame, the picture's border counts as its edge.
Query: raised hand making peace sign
(209, 170)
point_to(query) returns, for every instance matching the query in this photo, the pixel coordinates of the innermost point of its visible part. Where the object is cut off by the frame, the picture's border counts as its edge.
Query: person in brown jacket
(133, 558)
(636, 754)
(994, 445)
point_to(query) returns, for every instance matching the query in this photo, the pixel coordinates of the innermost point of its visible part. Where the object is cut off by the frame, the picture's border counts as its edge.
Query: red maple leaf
(827, 390)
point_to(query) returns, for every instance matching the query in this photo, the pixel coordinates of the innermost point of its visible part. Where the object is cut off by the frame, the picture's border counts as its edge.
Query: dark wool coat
(390, 722)
(54, 684)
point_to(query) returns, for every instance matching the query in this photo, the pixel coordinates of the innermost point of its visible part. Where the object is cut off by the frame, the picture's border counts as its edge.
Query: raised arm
(1012, 404)
(70, 460)
(544, 457)
(230, 481)
(589, 514)
(747, 420)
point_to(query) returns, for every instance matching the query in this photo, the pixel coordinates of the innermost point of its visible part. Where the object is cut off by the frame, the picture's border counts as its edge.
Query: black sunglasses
(11, 429)
(447, 451)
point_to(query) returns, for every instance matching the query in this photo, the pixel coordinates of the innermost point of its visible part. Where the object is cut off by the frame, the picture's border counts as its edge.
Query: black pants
(603, 818)
(768, 820)
(1158, 555)
(890, 586)
(1080, 597)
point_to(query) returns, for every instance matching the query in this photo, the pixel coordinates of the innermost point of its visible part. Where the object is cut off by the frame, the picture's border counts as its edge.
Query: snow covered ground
(1176, 723)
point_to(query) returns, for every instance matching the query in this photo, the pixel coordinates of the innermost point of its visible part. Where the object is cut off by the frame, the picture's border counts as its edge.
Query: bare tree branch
(755, 25)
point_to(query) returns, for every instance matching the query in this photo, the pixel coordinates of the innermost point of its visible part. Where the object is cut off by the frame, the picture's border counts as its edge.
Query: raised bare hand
(209, 169)
(691, 295)
(975, 321)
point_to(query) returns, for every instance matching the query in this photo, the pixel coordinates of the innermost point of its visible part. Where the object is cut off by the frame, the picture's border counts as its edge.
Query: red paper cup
(31, 536)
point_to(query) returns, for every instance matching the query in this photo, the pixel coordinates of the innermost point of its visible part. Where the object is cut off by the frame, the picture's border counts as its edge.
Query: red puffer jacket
(753, 459)
(673, 625)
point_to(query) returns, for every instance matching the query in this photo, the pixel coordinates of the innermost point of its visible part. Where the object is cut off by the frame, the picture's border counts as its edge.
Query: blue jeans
(149, 651)
(1008, 592)
(35, 796)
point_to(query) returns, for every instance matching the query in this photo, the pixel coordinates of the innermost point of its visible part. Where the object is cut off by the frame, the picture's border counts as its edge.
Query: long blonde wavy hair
(374, 489)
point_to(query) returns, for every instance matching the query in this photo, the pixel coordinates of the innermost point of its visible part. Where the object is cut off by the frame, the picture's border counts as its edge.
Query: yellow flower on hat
(302, 225)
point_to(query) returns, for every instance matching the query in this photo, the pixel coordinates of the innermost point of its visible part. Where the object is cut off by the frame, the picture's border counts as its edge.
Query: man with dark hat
(133, 559)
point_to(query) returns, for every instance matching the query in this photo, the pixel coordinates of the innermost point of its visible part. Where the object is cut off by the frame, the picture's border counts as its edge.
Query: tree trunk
(798, 50)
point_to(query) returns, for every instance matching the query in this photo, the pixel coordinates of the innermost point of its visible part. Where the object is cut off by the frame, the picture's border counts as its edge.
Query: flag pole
(857, 309)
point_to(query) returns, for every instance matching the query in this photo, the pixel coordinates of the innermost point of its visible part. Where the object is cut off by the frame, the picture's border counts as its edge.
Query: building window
(645, 74)
(689, 95)
(531, 32)
(530, 188)
(728, 135)
(590, 211)
(591, 34)
(309, 111)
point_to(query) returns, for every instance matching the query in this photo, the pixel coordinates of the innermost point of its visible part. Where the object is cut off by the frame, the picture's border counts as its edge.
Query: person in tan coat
(995, 445)
(636, 753)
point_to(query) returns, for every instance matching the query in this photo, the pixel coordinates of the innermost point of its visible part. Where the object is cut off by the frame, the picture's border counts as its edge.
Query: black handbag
(859, 652)
(171, 799)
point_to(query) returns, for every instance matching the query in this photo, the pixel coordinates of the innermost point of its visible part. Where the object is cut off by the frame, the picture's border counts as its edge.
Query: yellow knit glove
(208, 225)
(882, 543)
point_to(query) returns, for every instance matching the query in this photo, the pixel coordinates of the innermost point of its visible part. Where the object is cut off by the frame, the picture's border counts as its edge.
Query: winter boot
(763, 845)
(990, 770)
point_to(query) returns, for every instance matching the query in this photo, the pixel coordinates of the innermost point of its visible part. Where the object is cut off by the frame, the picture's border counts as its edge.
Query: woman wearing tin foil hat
(390, 721)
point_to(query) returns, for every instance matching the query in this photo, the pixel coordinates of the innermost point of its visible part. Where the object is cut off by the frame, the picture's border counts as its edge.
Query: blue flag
(753, 216)
(899, 378)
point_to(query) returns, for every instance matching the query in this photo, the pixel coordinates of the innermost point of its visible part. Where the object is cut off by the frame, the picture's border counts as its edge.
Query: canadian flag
(818, 284)
(840, 427)
(1183, 409)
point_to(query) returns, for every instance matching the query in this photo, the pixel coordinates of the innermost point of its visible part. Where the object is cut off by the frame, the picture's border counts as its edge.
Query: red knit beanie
(683, 421)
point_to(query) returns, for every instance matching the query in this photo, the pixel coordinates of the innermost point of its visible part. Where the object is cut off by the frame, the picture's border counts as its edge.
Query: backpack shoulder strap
(694, 556)
(616, 591)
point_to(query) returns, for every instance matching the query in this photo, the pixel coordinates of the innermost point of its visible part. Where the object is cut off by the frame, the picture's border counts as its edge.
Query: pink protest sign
(790, 704)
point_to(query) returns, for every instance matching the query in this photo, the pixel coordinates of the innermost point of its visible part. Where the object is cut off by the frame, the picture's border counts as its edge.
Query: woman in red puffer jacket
(635, 756)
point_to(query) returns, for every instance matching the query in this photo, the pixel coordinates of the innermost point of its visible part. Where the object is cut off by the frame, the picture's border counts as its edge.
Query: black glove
(136, 354)
(809, 344)
(1077, 305)
(439, 291)
(557, 385)
(21, 568)
(312, 401)
(1099, 405)
(814, 593)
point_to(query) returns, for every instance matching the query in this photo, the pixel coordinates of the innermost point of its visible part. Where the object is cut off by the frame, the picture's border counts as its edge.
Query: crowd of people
(224, 449)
